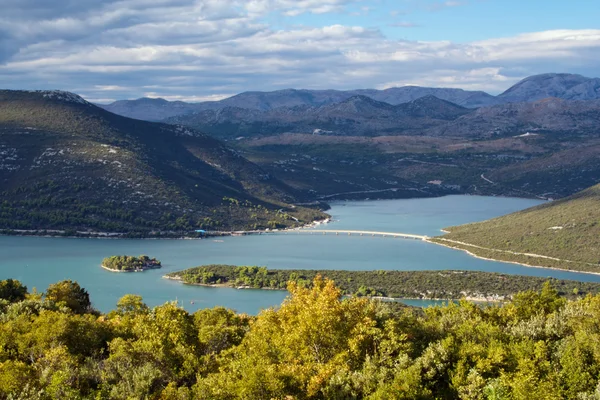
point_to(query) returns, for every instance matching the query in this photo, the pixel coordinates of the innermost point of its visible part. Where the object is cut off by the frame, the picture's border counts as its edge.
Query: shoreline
(122, 236)
(510, 262)
(48, 233)
(125, 272)
(113, 270)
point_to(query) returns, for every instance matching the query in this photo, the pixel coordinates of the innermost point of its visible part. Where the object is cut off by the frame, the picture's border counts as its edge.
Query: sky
(197, 50)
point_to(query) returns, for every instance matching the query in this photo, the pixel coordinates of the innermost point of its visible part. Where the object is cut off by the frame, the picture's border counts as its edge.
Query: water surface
(38, 262)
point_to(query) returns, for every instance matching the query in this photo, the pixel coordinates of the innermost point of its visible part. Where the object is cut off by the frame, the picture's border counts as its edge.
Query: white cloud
(204, 49)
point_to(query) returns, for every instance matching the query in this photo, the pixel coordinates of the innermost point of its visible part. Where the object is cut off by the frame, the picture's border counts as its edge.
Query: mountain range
(356, 116)
(564, 86)
(68, 164)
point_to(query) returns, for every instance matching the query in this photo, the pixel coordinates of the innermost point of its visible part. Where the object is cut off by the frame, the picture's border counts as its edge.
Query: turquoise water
(38, 262)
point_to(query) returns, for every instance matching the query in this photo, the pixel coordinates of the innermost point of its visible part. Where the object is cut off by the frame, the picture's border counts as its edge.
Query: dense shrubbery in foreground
(315, 346)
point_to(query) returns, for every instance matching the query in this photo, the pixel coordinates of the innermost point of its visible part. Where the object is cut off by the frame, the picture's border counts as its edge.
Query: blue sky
(459, 21)
(197, 50)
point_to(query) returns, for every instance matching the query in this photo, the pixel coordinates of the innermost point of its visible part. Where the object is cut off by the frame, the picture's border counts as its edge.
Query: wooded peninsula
(475, 285)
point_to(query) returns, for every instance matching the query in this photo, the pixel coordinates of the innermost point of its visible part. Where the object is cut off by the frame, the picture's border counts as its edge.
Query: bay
(38, 262)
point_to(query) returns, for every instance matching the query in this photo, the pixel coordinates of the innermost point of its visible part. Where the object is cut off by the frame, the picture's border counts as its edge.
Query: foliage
(69, 294)
(12, 290)
(316, 345)
(130, 263)
(397, 284)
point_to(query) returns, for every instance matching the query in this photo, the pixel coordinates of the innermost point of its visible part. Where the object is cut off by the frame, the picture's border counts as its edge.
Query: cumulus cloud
(207, 49)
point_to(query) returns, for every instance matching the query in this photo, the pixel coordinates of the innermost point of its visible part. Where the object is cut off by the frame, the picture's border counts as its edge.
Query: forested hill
(314, 346)
(67, 164)
(566, 233)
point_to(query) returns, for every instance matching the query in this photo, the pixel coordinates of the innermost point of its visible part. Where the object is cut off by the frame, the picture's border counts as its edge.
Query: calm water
(38, 262)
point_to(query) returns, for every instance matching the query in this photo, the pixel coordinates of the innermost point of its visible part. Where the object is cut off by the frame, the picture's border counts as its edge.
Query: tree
(70, 295)
(12, 290)
(297, 349)
(219, 329)
(131, 304)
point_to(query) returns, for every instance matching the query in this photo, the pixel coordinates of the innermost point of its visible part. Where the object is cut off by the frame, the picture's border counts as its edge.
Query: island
(130, 263)
(445, 285)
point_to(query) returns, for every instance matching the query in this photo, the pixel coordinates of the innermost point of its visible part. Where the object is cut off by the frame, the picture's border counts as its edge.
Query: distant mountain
(430, 116)
(405, 94)
(563, 234)
(542, 116)
(265, 101)
(432, 107)
(357, 116)
(563, 86)
(67, 164)
(154, 109)
(149, 109)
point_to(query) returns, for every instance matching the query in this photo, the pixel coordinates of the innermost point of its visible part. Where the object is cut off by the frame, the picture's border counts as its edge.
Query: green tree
(12, 290)
(69, 294)
(131, 304)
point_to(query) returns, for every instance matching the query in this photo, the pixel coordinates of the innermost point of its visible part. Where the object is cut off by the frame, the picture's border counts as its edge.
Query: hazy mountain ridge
(356, 116)
(429, 116)
(65, 163)
(158, 109)
(149, 109)
(565, 86)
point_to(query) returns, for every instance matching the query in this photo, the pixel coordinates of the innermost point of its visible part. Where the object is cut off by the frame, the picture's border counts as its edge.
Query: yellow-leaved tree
(296, 351)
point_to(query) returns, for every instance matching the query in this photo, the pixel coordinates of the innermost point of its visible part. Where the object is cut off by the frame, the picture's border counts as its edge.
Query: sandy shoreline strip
(113, 270)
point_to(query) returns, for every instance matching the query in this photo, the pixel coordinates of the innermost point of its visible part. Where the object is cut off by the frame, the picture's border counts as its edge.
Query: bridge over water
(336, 232)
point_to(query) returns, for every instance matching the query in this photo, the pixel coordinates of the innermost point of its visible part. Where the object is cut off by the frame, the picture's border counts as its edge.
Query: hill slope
(546, 115)
(67, 164)
(563, 234)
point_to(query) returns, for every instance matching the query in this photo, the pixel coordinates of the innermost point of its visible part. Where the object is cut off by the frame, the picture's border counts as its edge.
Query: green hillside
(566, 232)
(66, 164)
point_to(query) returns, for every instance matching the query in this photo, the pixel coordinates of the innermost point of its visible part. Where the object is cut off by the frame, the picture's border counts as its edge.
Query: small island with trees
(130, 263)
